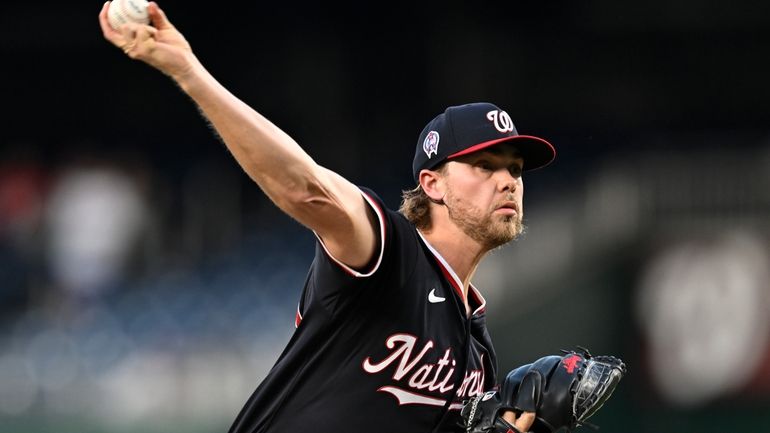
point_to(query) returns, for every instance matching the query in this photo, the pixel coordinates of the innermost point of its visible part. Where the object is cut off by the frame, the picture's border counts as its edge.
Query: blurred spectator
(22, 189)
(96, 218)
(703, 309)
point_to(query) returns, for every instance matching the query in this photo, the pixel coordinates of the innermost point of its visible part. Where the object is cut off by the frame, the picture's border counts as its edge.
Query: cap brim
(535, 151)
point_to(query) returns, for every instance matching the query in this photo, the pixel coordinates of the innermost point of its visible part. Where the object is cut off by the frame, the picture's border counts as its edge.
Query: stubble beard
(489, 230)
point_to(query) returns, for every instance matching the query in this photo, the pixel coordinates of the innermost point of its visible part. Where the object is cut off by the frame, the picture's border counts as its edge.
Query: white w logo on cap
(501, 120)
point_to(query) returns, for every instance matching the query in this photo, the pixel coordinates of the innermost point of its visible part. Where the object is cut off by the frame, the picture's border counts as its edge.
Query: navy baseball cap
(464, 129)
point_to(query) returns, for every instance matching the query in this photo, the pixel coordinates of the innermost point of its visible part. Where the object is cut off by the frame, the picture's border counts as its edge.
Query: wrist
(190, 76)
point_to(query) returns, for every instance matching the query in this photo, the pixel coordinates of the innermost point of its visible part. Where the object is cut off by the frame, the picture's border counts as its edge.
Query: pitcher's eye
(484, 165)
(516, 170)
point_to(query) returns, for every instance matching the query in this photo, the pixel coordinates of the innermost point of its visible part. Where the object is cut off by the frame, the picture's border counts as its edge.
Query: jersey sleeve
(379, 210)
(332, 285)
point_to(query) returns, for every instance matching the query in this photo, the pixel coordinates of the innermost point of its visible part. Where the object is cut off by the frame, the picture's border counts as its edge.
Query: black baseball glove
(563, 391)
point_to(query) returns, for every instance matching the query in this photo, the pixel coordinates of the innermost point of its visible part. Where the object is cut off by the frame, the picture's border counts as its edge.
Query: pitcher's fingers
(524, 421)
(131, 32)
(144, 44)
(109, 33)
(158, 17)
(144, 33)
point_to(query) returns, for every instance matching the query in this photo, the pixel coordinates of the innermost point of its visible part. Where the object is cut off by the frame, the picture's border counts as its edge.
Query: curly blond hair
(415, 204)
(416, 207)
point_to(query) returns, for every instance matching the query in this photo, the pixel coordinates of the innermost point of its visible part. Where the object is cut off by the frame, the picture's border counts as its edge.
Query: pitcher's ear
(432, 182)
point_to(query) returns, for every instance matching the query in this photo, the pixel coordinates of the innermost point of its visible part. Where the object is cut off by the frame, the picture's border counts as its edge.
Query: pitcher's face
(484, 196)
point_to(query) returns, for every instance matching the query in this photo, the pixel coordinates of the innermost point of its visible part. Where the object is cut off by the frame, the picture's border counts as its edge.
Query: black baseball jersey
(378, 351)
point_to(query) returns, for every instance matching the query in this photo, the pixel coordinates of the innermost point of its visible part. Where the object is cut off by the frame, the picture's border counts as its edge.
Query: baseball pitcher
(391, 335)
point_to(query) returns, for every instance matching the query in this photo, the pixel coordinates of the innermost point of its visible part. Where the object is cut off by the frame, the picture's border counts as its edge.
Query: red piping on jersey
(451, 279)
(297, 317)
(381, 220)
(454, 280)
(472, 290)
(480, 301)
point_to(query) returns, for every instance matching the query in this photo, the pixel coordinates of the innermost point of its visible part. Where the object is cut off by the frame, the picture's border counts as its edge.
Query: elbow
(315, 197)
(309, 192)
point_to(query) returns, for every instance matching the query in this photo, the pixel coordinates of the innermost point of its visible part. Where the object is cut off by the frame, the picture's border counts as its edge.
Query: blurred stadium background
(147, 285)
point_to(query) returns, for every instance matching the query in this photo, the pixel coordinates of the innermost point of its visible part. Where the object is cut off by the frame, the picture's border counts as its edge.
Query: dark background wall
(356, 83)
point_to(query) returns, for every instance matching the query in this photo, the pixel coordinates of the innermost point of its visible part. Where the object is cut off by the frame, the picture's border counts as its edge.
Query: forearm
(267, 154)
(316, 197)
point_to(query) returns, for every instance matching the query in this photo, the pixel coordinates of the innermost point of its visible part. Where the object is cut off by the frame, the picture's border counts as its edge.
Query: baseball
(127, 11)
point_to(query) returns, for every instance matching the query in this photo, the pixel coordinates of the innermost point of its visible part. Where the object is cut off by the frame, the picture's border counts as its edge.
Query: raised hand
(159, 44)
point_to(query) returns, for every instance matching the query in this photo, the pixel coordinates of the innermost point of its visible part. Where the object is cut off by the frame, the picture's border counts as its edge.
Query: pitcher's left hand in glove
(563, 391)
